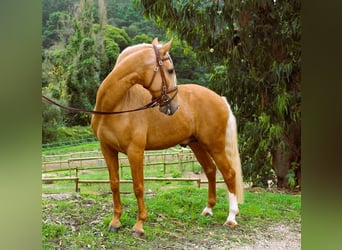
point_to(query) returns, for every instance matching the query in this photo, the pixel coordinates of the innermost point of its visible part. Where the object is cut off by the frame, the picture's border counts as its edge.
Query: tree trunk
(281, 165)
(288, 157)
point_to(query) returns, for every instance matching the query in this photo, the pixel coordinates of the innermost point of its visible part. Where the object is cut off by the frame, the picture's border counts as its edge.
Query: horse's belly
(166, 142)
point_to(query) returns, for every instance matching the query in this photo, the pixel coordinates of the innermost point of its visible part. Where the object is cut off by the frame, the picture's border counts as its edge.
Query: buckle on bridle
(165, 99)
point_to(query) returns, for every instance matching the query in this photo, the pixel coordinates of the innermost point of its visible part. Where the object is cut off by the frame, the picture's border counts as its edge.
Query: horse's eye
(170, 71)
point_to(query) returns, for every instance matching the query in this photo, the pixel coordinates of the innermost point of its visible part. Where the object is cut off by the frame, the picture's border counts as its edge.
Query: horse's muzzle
(169, 108)
(167, 105)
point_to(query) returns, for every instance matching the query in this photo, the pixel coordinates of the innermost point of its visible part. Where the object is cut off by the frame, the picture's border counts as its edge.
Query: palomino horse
(196, 116)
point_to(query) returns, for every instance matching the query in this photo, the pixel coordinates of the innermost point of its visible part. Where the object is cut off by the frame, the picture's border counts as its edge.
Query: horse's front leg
(136, 160)
(112, 161)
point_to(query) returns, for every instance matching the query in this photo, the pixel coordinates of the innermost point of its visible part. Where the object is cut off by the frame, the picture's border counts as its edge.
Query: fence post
(77, 178)
(77, 189)
(164, 163)
(121, 173)
(192, 162)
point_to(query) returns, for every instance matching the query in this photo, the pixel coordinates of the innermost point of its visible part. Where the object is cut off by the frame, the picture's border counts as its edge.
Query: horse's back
(202, 100)
(199, 91)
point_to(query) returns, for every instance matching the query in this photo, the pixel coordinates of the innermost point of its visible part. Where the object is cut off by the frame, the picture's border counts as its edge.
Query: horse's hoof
(112, 228)
(230, 224)
(137, 233)
(207, 212)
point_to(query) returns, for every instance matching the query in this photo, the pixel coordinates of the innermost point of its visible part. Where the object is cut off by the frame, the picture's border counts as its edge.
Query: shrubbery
(61, 134)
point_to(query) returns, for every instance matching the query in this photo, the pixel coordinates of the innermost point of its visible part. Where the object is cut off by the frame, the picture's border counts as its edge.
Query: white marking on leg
(233, 210)
(207, 212)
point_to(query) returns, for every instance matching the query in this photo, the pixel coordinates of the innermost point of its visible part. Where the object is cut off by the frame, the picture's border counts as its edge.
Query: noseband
(162, 99)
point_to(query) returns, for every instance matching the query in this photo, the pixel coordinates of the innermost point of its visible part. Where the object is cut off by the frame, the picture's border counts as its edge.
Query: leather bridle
(160, 100)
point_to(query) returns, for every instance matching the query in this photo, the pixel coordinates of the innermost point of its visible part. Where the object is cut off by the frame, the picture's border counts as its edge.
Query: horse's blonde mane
(132, 49)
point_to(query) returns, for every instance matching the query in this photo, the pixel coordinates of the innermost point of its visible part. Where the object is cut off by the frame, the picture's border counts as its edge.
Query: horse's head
(152, 67)
(162, 81)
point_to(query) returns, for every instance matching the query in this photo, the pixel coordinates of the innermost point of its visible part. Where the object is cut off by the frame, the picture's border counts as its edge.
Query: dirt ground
(279, 237)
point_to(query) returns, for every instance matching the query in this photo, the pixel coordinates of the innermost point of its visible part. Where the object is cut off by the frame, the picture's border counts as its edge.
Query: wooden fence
(92, 160)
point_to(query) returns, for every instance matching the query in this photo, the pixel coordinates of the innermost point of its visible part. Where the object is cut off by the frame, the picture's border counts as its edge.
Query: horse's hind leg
(210, 170)
(112, 161)
(228, 174)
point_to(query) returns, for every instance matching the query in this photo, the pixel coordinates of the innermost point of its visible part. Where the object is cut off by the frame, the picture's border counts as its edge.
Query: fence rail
(92, 160)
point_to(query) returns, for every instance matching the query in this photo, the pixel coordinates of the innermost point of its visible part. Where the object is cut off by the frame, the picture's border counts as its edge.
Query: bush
(64, 134)
(51, 119)
(73, 133)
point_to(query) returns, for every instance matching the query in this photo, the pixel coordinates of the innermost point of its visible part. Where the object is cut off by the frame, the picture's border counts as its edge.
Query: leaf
(264, 121)
(276, 131)
(281, 104)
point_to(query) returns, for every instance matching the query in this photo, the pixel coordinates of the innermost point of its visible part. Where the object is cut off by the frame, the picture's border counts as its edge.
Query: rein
(152, 104)
(161, 100)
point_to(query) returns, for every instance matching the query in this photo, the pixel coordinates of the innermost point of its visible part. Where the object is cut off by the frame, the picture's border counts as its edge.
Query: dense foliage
(255, 54)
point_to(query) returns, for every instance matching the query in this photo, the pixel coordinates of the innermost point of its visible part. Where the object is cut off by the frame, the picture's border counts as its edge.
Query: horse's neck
(121, 79)
(112, 91)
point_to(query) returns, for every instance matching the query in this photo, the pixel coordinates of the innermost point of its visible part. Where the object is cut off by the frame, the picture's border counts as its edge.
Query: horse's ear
(165, 48)
(155, 41)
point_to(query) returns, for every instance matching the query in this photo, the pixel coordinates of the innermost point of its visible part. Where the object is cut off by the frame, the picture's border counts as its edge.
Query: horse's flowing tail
(232, 151)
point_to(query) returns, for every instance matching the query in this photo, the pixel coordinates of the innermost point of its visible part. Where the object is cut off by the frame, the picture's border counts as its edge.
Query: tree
(56, 21)
(55, 29)
(113, 40)
(83, 79)
(142, 38)
(253, 48)
(124, 15)
(186, 64)
(117, 35)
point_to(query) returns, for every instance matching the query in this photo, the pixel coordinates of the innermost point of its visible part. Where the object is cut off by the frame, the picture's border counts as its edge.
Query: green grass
(174, 219)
